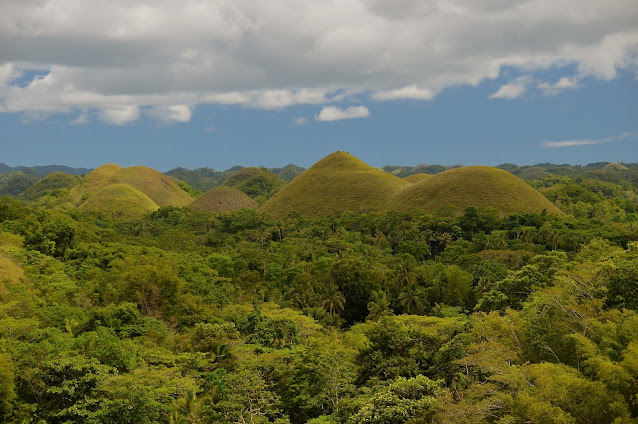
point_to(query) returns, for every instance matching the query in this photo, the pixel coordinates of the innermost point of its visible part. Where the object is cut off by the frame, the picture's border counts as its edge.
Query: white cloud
(585, 142)
(8, 73)
(333, 113)
(120, 115)
(168, 114)
(513, 89)
(83, 118)
(410, 92)
(300, 121)
(102, 54)
(561, 85)
(209, 129)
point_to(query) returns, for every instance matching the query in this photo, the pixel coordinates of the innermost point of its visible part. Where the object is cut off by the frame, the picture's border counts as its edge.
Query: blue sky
(519, 82)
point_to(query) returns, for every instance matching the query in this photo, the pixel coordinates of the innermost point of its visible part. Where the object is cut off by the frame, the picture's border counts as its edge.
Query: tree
(379, 306)
(413, 299)
(248, 399)
(334, 301)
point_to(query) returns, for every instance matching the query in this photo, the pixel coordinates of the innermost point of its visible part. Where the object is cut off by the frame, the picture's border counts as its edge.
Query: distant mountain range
(42, 170)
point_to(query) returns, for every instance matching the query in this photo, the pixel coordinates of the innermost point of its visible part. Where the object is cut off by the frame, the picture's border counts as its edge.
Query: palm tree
(334, 300)
(379, 306)
(413, 299)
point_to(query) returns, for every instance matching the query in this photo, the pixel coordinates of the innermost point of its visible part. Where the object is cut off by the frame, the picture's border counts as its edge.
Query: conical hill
(54, 182)
(337, 183)
(223, 199)
(255, 182)
(480, 186)
(120, 201)
(157, 186)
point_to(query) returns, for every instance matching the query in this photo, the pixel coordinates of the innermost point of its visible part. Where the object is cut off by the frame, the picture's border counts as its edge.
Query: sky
(217, 83)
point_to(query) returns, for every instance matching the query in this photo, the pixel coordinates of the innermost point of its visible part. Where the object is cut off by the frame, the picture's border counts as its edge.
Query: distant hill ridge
(43, 169)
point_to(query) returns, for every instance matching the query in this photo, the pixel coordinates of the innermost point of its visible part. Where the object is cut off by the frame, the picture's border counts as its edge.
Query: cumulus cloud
(513, 89)
(120, 115)
(103, 54)
(168, 114)
(300, 121)
(559, 86)
(585, 142)
(333, 113)
(410, 92)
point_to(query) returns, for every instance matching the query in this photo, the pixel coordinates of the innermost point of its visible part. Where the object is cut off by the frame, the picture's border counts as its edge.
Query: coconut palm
(334, 300)
(379, 305)
(413, 299)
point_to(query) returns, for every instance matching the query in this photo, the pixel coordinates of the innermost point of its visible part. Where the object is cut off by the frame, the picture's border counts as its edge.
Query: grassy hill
(415, 178)
(479, 186)
(50, 184)
(337, 183)
(223, 199)
(614, 166)
(258, 183)
(120, 201)
(160, 188)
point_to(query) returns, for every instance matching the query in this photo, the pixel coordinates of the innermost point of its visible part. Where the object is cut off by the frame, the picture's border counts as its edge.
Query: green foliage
(402, 401)
(180, 316)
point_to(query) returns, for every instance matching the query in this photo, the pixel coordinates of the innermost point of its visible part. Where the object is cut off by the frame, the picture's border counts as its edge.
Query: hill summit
(337, 183)
(481, 186)
(160, 188)
(223, 199)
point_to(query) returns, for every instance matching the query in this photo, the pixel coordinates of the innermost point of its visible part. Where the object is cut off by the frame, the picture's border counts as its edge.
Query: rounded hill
(614, 166)
(223, 199)
(415, 178)
(52, 183)
(480, 186)
(255, 182)
(120, 201)
(337, 183)
(157, 186)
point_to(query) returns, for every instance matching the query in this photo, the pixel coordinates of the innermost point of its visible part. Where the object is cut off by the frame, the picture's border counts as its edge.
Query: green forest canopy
(380, 317)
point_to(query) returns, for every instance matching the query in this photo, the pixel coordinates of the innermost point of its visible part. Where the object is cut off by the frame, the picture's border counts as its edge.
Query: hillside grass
(223, 199)
(9, 270)
(480, 186)
(50, 184)
(160, 188)
(415, 178)
(120, 201)
(337, 183)
(614, 166)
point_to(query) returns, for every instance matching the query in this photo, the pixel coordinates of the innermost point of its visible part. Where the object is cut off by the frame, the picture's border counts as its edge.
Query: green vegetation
(337, 183)
(480, 186)
(53, 184)
(258, 183)
(223, 199)
(120, 201)
(204, 179)
(169, 315)
(614, 166)
(16, 183)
